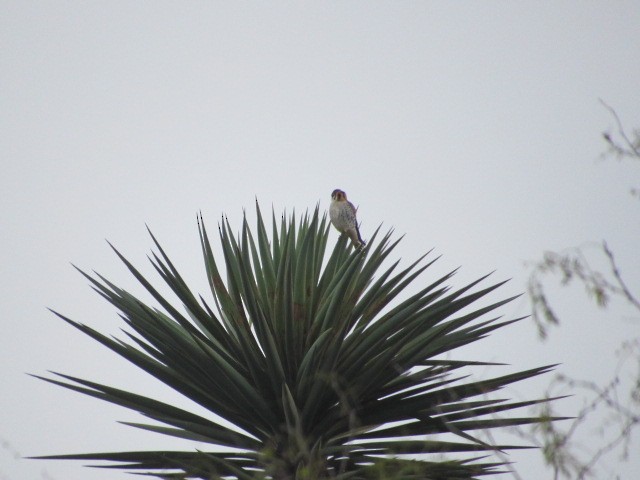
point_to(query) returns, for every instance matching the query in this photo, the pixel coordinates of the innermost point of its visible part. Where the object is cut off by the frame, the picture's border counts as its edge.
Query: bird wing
(353, 209)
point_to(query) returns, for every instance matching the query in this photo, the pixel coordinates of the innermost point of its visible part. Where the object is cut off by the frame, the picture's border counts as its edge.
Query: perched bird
(343, 216)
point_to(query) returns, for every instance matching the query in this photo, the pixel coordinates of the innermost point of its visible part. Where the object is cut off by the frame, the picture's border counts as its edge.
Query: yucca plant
(323, 371)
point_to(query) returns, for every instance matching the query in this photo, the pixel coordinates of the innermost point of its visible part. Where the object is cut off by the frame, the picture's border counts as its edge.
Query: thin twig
(621, 131)
(616, 273)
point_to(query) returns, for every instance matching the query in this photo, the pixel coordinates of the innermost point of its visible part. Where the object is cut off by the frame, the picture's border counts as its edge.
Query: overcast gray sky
(472, 127)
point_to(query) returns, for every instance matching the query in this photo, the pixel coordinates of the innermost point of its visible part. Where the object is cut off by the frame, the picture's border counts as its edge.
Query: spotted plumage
(343, 216)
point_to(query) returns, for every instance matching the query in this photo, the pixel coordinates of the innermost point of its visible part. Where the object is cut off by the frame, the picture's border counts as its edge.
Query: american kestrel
(343, 216)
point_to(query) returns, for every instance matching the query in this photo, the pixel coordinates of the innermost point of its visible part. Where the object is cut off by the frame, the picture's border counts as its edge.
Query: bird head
(338, 195)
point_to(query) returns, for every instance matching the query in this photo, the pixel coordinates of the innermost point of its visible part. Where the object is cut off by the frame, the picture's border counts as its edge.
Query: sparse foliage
(611, 409)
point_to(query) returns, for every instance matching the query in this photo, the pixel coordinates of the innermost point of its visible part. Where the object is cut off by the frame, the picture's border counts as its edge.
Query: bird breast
(340, 216)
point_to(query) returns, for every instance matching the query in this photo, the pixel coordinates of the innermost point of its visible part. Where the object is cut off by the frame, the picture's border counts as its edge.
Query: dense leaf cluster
(324, 371)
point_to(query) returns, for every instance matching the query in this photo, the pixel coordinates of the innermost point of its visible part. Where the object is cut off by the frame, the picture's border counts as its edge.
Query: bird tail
(359, 236)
